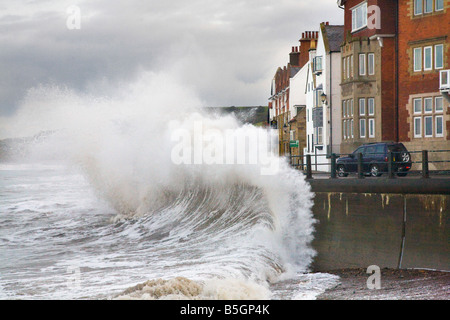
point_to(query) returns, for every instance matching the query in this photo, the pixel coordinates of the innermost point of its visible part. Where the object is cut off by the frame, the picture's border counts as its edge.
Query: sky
(227, 51)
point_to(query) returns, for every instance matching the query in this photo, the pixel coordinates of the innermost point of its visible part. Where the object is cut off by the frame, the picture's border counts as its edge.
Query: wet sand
(395, 285)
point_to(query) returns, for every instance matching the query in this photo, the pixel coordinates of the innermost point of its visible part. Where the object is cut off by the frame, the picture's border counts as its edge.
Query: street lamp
(323, 96)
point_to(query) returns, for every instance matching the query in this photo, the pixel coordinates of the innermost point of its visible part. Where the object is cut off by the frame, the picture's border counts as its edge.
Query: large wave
(232, 226)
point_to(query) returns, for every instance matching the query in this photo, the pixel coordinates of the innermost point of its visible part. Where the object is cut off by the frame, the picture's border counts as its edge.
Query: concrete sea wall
(357, 230)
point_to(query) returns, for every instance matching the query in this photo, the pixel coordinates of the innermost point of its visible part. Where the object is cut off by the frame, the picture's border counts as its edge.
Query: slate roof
(334, 37)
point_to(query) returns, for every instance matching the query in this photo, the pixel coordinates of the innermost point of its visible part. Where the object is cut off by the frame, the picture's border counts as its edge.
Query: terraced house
(287, 98)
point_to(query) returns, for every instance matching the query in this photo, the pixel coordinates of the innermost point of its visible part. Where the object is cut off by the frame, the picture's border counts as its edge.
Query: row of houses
(383, 75)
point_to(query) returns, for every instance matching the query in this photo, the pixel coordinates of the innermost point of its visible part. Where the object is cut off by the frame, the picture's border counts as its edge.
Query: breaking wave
(210, 231)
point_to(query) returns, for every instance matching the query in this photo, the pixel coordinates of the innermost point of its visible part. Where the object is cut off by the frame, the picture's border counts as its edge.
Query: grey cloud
(227, 50)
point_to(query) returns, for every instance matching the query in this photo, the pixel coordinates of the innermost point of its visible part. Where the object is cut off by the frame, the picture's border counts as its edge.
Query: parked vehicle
(375, 160)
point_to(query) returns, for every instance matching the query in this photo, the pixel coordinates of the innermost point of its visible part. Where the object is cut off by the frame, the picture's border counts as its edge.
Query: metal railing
(421, 163)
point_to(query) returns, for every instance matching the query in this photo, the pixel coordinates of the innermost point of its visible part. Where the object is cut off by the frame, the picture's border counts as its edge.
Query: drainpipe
(397, 129)
(330, 102)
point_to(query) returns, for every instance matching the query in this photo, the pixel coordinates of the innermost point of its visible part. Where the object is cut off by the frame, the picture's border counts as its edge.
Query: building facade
(368, 81)
(323, 94)
(383, 76)
(287, 99)
(424, 59)
(394, 55)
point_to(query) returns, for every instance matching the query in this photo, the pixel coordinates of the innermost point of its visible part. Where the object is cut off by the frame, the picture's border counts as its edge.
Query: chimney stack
(294, 57)
(307, 42)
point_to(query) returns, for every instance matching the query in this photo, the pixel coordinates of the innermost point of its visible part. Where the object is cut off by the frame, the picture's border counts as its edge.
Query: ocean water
(59, 240)
(104, 208)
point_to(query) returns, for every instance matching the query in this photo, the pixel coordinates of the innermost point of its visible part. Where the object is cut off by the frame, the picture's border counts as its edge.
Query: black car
(375, 158)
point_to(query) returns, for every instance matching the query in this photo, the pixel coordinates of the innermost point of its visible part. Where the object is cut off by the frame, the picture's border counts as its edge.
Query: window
(351, 107)
(344, 105)
(362, 64)
(371, 128)
(362, 107)
(348, 67)
(439, 104)
(417, 59)
(317, 64)
(418, 7)
(439, 126)
(351, 127)
(417, 105)
(359, 17)
(380, 149)
(444, 77)
(428, 6)
(344, 64)
(370, 150)
(362, 128)
(428, 105)
(428, 116)
(428, 126)
(318, 98)
(344, 128)
(371, 106)
(439, 56)
(319, 135)
(427, 58)
(417, 127)
(351, 66)
(371, 63)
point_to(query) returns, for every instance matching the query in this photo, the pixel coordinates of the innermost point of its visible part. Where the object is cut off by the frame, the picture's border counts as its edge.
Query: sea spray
(210, 223)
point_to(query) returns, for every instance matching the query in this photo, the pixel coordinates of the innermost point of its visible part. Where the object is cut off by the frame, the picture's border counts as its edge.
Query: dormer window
(359, 17)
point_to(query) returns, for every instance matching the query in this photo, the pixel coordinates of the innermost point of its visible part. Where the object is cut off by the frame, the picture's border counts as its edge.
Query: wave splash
(216, 230)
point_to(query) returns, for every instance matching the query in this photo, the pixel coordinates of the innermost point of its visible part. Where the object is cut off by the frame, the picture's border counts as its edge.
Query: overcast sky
(227, 50)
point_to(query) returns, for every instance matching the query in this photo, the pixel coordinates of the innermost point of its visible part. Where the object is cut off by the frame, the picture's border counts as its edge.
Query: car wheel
(402, 174)
(405, 157)
(341, 171)
(374, 171)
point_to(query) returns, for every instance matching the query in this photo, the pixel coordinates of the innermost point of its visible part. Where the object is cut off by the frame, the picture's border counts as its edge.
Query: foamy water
(101, 210)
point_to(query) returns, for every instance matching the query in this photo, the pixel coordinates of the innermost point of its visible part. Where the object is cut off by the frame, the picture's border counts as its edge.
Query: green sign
(294, 144)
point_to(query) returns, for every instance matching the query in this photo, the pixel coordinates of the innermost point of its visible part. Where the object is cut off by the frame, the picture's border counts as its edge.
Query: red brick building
(393, 56)
(424, 52)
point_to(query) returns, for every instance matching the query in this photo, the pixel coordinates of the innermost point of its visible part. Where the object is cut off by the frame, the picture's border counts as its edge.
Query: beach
(396, 284)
